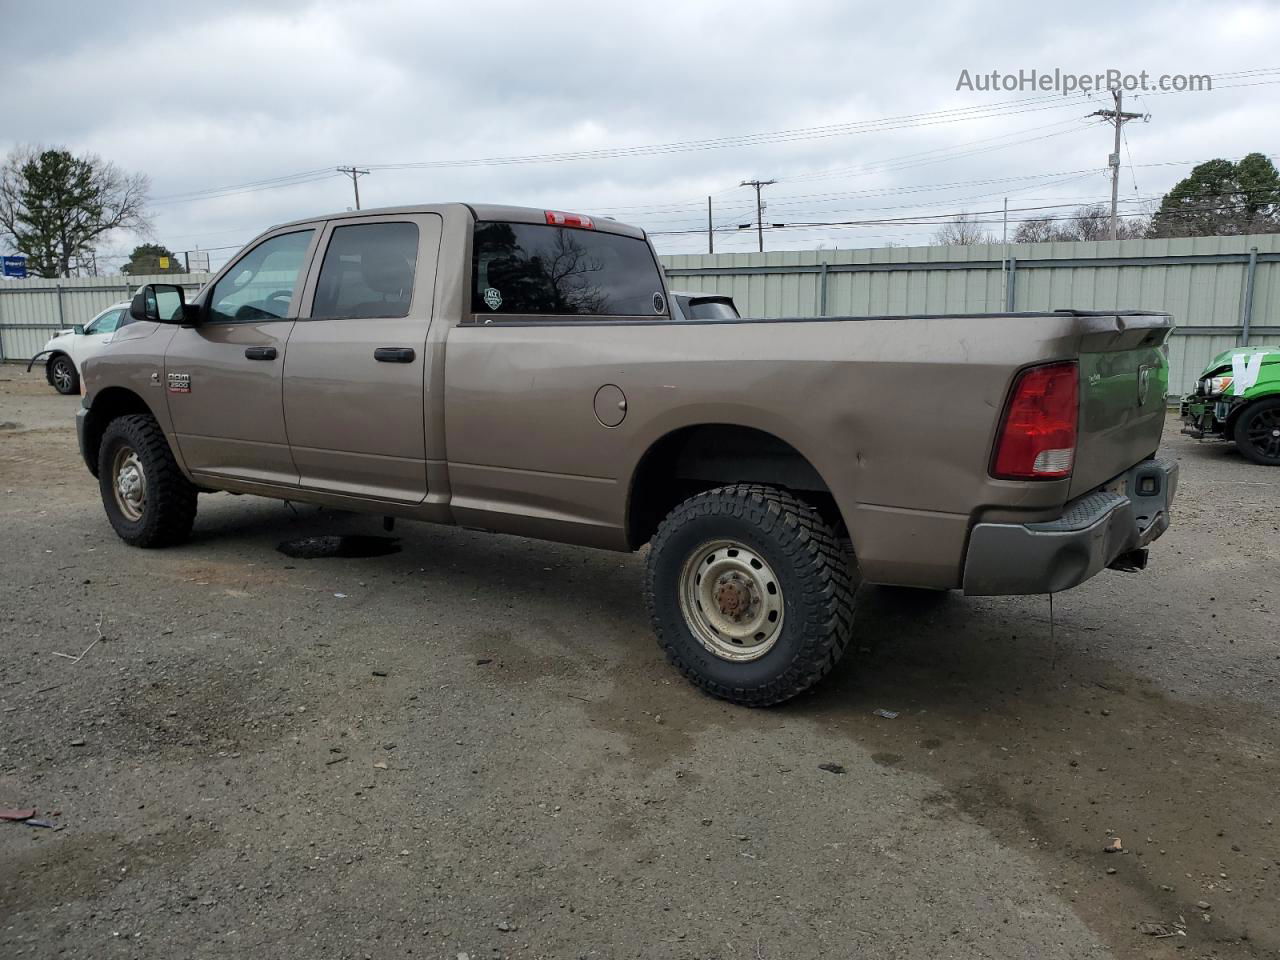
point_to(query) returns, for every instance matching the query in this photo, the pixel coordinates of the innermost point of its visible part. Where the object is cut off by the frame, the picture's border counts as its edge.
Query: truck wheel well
(693, 459)
(109, 404)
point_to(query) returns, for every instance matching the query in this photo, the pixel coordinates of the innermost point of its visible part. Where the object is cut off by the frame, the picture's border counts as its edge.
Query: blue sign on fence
(15, 266)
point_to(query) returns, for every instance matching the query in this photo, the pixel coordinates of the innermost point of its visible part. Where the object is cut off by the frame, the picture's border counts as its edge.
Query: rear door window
(531, 268)
(367, 271)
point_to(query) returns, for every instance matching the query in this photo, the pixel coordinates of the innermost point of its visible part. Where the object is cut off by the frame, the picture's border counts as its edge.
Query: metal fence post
(62, 323)
(1246, 301)
(1010, 293)
(822, 291)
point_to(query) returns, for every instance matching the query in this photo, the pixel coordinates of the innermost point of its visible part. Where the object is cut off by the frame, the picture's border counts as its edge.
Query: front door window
(261, 284)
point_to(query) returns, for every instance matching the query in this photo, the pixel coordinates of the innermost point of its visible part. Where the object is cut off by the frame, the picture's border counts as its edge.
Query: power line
(883, 124)
(726, 227)
(252, 186)
(1077, 205)
(652, 227)
(931, 118)
(925, 220)
(805, 199)
(849, 128)
(899, 162)
(1129, 154)
(940, 154)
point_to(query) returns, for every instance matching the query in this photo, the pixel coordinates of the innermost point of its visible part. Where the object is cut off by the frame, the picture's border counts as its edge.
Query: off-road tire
(816, 576)
(1248, 418)
(169, 508)
(69, 383)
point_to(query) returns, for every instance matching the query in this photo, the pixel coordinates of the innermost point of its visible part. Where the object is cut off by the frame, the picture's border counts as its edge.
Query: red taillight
(1037, 439)
(558, 219)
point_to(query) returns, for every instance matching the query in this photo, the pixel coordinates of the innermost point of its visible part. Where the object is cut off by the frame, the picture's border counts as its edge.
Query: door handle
(260, 353)
(394, 354)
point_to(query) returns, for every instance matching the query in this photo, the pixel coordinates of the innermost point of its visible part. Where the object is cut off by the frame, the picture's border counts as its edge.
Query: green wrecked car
(1238, 398)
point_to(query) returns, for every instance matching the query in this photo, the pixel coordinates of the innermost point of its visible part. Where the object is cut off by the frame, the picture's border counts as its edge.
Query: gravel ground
(473, 745)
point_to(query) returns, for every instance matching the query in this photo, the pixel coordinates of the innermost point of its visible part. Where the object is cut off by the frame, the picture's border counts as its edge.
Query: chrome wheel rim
(62, 375)
(731, 600)
(129, 482)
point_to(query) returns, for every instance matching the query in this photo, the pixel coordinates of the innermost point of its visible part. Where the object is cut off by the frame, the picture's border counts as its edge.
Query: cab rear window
(532, 269)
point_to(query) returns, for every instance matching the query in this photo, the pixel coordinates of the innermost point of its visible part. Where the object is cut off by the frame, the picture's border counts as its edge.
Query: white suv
(69, 349)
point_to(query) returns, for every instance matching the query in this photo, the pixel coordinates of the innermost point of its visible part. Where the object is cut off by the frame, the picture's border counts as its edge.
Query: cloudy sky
(239, 112)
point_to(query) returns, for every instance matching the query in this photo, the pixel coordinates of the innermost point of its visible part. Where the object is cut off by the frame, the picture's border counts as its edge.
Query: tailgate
(1124, 385)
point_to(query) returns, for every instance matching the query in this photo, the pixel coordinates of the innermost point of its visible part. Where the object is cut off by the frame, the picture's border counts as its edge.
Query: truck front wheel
(148, 500)
(1257, 432)
(750, 594)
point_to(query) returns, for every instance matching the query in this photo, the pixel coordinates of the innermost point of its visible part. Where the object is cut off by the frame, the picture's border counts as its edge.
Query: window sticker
(492, 298)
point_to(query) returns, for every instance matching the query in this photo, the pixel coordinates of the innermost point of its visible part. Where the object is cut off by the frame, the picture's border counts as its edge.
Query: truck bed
(897, 414)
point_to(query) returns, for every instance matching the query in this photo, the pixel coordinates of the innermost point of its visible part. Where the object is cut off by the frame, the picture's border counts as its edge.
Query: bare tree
(960, 230)
(1090, 222)
(55, 207)
(569, 272)
(1036, 230)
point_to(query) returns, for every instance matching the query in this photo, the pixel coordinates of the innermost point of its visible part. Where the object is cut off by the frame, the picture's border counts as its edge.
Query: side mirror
(78, 329)
(159, 303)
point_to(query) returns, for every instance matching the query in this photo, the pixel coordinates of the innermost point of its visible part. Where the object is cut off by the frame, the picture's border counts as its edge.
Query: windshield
(712, 310)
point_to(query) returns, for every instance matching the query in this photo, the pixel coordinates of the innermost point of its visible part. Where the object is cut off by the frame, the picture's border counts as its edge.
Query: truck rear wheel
(1257, 432)
(750, 594)
(148, 500)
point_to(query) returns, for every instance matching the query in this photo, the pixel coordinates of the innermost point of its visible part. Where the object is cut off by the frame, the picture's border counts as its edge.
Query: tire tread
(1240, 431)
(171, 497)
(827, 599)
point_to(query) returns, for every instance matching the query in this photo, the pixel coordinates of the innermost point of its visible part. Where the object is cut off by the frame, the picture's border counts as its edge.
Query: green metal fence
(1221, 291)
(32, 310)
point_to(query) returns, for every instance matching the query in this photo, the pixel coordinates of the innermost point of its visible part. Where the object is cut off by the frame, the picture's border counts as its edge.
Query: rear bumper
(1123, 516)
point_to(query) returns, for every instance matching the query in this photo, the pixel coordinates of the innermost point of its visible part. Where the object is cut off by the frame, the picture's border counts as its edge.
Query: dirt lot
(473, 745)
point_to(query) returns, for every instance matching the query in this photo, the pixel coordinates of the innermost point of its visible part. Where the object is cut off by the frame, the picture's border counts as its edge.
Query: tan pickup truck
(522, 371)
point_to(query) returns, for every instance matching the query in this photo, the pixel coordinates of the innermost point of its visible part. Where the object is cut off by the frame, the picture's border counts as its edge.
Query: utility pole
(711, 239)
(354, 173)
(1004, 256)
(759, 207)
(1118, 118)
